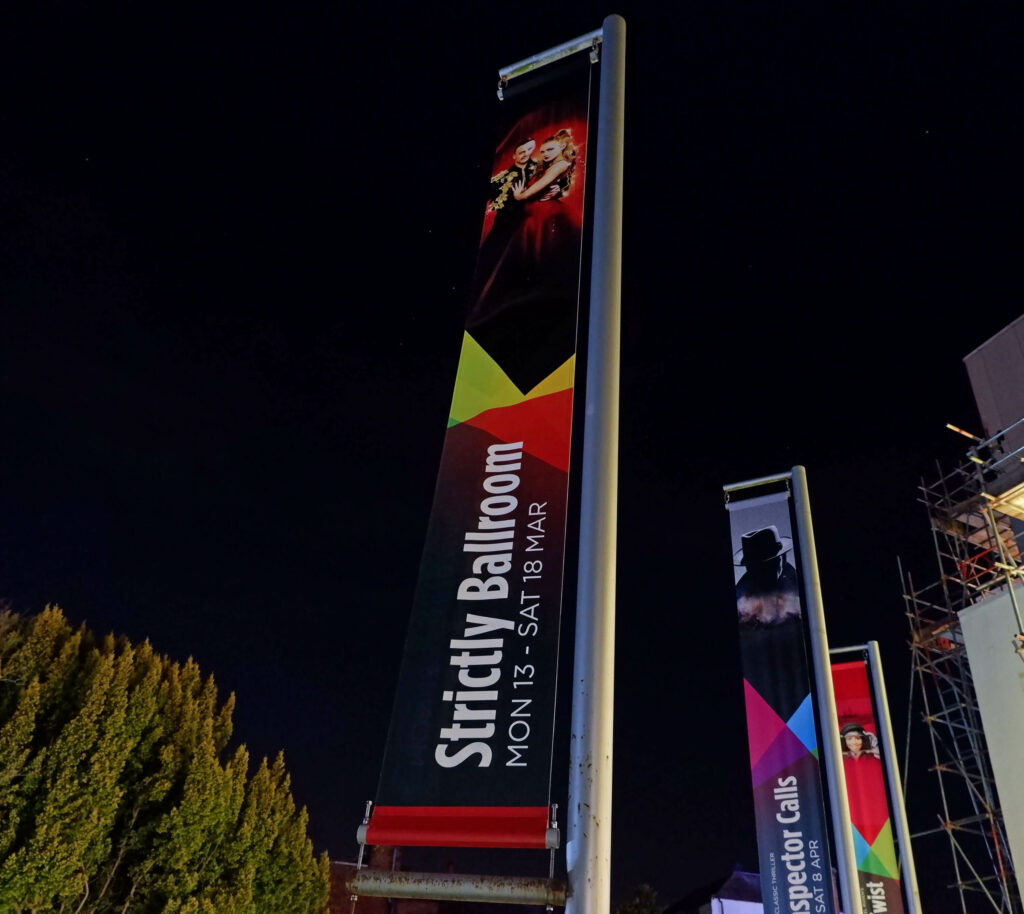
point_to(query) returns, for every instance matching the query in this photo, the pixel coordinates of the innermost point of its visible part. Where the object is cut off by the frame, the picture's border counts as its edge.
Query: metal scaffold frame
(976, 518)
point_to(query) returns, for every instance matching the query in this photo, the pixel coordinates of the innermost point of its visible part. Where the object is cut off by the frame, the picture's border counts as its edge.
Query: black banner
(792, 841)
(468, 761)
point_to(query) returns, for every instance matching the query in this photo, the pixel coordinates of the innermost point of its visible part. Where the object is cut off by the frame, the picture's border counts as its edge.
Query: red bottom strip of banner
(458, 826)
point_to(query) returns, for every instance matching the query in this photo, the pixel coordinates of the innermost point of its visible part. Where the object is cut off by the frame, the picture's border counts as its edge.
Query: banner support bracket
(591, 40)
(551, 858)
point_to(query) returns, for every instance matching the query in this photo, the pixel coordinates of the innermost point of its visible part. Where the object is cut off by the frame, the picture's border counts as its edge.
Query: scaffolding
(977, 516)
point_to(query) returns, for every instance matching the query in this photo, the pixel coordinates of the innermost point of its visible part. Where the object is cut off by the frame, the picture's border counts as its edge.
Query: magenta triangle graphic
(763, 724)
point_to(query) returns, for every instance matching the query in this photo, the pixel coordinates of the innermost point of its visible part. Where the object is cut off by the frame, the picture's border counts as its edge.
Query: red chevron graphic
(543, 424)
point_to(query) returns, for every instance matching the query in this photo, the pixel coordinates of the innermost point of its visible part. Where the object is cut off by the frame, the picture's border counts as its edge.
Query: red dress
(526, 289)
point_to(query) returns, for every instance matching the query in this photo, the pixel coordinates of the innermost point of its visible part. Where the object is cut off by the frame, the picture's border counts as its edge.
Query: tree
(118, 793)
(644, 901)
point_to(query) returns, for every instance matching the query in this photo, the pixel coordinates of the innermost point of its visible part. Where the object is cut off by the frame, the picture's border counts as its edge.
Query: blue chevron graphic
(802, 724)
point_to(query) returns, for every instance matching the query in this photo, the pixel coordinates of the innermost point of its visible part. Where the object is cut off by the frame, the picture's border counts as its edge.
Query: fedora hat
(761, 546)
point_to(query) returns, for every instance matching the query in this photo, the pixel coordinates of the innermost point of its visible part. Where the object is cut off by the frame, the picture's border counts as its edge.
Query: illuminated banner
(792, 843)
(865, 786)
(468, 760)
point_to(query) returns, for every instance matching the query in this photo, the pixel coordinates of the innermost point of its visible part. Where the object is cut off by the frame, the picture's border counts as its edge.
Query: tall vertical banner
(875, 849)
(468, 759)
(789, 810)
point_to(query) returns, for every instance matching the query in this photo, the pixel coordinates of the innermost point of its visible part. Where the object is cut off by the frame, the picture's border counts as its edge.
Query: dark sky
(236, 247)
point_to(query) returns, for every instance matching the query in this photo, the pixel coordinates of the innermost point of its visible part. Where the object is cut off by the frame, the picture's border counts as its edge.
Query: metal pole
(842, 827)
(899, 811)
(589, 814)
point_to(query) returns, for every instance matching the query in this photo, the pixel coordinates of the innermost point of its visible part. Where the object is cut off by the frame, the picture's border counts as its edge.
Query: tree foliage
(118, 792)
(644, 901)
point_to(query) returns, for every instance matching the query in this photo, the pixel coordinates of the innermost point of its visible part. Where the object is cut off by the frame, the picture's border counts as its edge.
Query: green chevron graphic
(881, 859)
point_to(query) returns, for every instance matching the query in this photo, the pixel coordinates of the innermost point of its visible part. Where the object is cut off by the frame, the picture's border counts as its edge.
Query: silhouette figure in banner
(767, 592)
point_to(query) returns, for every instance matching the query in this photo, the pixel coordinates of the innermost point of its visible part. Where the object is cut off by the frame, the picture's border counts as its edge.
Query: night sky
(236, 243)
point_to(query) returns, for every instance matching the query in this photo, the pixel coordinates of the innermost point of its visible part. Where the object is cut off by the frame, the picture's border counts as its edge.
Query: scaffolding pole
(977, 554)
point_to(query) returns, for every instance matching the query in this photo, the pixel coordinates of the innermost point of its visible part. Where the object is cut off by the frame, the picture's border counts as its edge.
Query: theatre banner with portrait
(469, 754)
(870, 815)
(782, 731)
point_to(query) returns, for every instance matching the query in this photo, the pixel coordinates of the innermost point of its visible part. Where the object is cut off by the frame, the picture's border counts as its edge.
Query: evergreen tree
(644, 901)
(117, 792)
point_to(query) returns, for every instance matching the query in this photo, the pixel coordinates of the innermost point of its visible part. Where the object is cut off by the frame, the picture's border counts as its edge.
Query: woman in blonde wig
(557, 163)
(524, 309)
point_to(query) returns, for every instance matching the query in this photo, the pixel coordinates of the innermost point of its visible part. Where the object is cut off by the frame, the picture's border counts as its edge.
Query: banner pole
(589, 814)
(899, 811)
(842, 827)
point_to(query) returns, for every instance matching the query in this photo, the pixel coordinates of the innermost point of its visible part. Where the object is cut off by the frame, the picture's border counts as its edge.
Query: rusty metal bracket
(458, 887)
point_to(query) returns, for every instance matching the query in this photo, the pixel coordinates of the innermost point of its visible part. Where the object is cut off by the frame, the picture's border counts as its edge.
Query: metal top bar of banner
(551, 55)
(760, 481)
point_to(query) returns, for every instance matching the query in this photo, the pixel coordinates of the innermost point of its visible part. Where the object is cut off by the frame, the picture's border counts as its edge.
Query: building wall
(996, 372)
(989, 628)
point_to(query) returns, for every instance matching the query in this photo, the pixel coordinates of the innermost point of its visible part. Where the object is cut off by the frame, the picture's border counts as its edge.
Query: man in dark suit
(523, 168)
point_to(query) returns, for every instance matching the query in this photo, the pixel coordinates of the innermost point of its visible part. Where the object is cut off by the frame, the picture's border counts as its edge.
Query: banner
(865, 786)
(468, 760)
(792, 842)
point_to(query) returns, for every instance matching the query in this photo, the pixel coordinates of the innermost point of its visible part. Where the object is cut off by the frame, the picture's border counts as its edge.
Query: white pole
(899, 811)
(589, 816)
(831, 753)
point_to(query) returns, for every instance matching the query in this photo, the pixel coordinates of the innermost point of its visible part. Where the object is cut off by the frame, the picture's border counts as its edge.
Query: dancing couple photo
(526, 292)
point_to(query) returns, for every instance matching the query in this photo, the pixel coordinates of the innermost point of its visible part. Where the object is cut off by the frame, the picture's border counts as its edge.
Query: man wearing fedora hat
(767, 590)
(763, 554)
